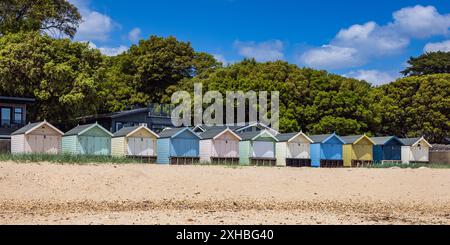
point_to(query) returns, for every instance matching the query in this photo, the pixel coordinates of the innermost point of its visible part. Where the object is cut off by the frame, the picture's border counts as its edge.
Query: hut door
(50, 144)
(419, 154)
(36, 143)
(263, 149)
(140, 147)
(298, 150)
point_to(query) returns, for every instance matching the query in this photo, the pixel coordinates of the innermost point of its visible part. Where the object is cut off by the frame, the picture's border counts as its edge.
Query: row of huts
(221, 145)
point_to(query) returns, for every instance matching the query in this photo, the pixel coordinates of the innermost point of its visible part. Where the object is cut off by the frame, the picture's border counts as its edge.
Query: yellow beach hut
(137, 141)
(357, 150)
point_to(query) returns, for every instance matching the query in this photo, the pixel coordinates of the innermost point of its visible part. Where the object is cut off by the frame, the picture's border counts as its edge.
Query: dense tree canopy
(428, 63)
(63, 76)
(49, 16)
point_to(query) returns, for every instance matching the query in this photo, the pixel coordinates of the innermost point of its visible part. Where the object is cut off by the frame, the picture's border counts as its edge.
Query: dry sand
(151, 194)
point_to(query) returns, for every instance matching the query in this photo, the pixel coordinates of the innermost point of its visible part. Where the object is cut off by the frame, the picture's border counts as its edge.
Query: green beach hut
(90, 139)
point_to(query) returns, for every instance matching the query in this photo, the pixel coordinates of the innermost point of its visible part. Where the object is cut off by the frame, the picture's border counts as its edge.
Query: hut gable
(415, 142)
(294, 138)
(38, 128)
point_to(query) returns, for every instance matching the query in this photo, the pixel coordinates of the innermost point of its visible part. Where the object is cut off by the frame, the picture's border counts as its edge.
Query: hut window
(45, 136)
(18, 115)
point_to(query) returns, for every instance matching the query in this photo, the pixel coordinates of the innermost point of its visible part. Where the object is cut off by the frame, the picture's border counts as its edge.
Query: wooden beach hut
(387, 149)
(415, 150)
(90, 139)
(326, 151)
(220, 145)
(293, 150)
(357, 150)
(257, 148)
(40, 137)
(178, 146)
(138, 141)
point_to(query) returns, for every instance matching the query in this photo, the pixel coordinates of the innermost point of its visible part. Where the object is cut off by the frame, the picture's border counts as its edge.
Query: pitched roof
(213, 133)
(253, 134)
(26, 128)
(80, 128)
(31, 126)
(409, 141)
(351, 139)
(286, 136)
(384, 140)
(413, 141)
(125, 131)
(319, 138)
(170, 132)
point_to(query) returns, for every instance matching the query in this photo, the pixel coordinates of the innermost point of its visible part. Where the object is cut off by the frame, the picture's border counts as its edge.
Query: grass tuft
(67, 159)
(411, 165)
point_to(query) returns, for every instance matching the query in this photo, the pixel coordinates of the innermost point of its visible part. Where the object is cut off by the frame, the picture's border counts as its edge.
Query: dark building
(156, 117)
(13, 116)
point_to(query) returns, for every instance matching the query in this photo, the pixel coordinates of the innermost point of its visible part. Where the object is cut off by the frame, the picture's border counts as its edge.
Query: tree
(63, 76)
(428, 63)
(414, 107)
(47, 16)
(310, 100)
(143, 73)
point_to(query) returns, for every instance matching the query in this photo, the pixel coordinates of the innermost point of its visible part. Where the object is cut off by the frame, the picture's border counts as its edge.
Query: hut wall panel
(298, 150)
(184, 147)
(406, 154)
(347, 154)
(263, 149)
(378, 153)
(225, 148)
(281, 153)
(118, 146)
(315, 154)
(205, 151)
(18, 143)
(244, 152)
(163, 149)
(363, 152)
(69, 144)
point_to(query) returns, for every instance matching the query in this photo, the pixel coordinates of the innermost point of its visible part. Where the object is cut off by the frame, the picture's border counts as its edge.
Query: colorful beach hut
(219, 146)
(415, 150)
(178, 146)
(257, 148)
(40, 137)
(90, 139)
(293, 150)
(387, 149)
(134, 141)
(326, 151)
(357, 150)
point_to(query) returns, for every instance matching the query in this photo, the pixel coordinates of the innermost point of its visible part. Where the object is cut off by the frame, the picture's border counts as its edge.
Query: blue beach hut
(178, 146)
(326, 151)
(387, 149)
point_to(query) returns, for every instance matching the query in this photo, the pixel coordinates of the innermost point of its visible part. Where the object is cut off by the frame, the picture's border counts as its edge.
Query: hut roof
(82, 128)
(125, 131)
(321, 138)
(413, 141)
(172, 132)
(289, 136)
(256, 134)
(352, 139)
(213, 133)
(31, 126)
(384, 140)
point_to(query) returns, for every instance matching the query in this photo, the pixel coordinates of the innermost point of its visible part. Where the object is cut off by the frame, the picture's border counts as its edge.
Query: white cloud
(421, 21)
(332, 57)
(358, 44)
(373, 76)
(434, 47)
(262, 52)
(109, 51)
(135, 34)
(221, 59)
(95, 25)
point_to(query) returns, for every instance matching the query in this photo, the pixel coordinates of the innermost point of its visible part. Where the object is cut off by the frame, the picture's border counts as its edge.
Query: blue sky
(370, 41)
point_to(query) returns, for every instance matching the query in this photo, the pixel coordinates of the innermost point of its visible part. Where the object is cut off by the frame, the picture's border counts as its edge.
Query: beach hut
(387, 149)
(219, 146)
(326, 151)
(178, 146)
(90, 139)
(257, 148)
(137, 141)
(357, 151)
(40, 137)
(293, 150)
(415, 150)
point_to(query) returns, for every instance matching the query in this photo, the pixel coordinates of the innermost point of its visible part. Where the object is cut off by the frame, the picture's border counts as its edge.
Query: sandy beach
(151, 194)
